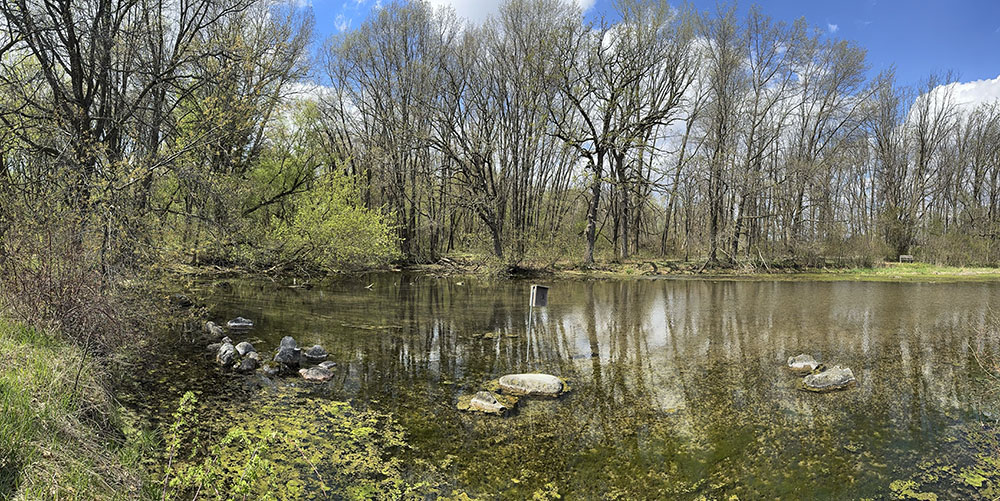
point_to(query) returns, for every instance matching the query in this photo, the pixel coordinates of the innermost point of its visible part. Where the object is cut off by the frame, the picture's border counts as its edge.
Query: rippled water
(678, 386)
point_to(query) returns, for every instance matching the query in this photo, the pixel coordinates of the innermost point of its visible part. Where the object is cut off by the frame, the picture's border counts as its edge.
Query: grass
(57, 441)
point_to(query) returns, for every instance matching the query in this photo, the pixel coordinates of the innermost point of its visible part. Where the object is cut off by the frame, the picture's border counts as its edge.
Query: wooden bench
(905, 258)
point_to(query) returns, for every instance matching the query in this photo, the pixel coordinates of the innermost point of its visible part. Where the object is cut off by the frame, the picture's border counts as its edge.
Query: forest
(144, 132)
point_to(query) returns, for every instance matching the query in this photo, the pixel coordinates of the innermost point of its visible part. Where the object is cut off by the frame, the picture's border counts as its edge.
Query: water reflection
(679, 387)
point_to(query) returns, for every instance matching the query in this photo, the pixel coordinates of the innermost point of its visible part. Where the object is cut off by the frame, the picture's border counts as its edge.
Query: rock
(545, 385)
(181, 301)
(802, 364)
(214, 347)
(328, 365)
(244, 348)
(249, 363)
(487, 402)
(213, 329)
(270, 369)
(316, 374)
(289, 354)
(240, 323)
(226, 355)
(832, 379)
(315, 354)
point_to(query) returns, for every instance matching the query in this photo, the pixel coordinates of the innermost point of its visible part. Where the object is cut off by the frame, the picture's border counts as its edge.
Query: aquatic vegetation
(295, 447)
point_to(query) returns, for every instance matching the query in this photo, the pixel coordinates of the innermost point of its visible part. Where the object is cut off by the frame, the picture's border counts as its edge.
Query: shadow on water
(678, 385)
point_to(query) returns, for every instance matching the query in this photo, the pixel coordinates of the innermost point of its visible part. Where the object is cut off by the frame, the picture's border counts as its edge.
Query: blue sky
(918, 36)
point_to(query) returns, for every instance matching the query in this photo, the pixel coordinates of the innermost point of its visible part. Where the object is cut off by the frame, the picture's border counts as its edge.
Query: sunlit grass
(57, 442)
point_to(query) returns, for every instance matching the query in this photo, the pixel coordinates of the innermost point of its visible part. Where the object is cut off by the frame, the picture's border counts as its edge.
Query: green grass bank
(61, 436)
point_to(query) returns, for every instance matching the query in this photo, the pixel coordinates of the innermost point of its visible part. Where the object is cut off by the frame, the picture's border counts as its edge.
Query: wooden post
(539, 295)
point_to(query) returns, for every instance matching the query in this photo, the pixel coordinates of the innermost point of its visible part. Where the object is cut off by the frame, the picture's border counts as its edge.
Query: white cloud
(968, 95)
(478, 11)
(341, 23)
(832, 28)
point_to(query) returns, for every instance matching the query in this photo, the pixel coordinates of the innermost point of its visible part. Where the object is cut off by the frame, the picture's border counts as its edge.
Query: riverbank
(62, 435)
(647, 268)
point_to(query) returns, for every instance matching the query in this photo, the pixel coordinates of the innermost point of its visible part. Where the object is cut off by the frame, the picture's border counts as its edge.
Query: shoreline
(645, 269)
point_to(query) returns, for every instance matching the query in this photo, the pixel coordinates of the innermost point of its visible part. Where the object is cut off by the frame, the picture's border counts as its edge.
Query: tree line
(137, 133)
(666, 131)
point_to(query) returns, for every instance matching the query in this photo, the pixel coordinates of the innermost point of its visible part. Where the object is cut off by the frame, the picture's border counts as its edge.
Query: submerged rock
(802, 364)
(240, 323)
(181, 301)
(487, 403)
(226, 355)
(316, 374)
(328, 365)
(545, 385)
(270, 369)
(832, 379)
(244, 348)
(213, 329)
(315, 354)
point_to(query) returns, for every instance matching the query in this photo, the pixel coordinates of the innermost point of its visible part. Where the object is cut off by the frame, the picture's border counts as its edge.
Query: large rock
(315, 354)
(244, 348)
(802, 364)
(832, 379)
(226, 355)
(240, 323)
(213, 330)
(289, 354)
(316, 374)
(545, 385)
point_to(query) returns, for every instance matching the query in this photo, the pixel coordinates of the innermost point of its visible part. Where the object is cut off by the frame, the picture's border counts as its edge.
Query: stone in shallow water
(832, 379)
(244, 348)
(328, 365)
(289, 354)
(213, 330)
(316, 374)
(545, 385)
(249, 363)
(486, 402)
(315, 354)
(240, 323)
(226, 355)
(802, 364)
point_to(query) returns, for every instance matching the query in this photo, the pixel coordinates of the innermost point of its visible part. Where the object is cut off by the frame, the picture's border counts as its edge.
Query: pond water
(678, 386)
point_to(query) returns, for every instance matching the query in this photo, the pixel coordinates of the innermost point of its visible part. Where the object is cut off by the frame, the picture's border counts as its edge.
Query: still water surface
(678, 386)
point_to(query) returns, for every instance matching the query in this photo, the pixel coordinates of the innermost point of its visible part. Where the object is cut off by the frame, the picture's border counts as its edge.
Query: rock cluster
(818, 378)
(508, 390)
(288, 357)
(242, 357)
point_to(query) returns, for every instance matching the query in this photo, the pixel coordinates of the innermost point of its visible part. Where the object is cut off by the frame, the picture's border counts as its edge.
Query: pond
(678, 387)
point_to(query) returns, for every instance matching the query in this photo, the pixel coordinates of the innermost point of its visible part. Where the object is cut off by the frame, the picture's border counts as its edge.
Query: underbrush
(61, 434)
